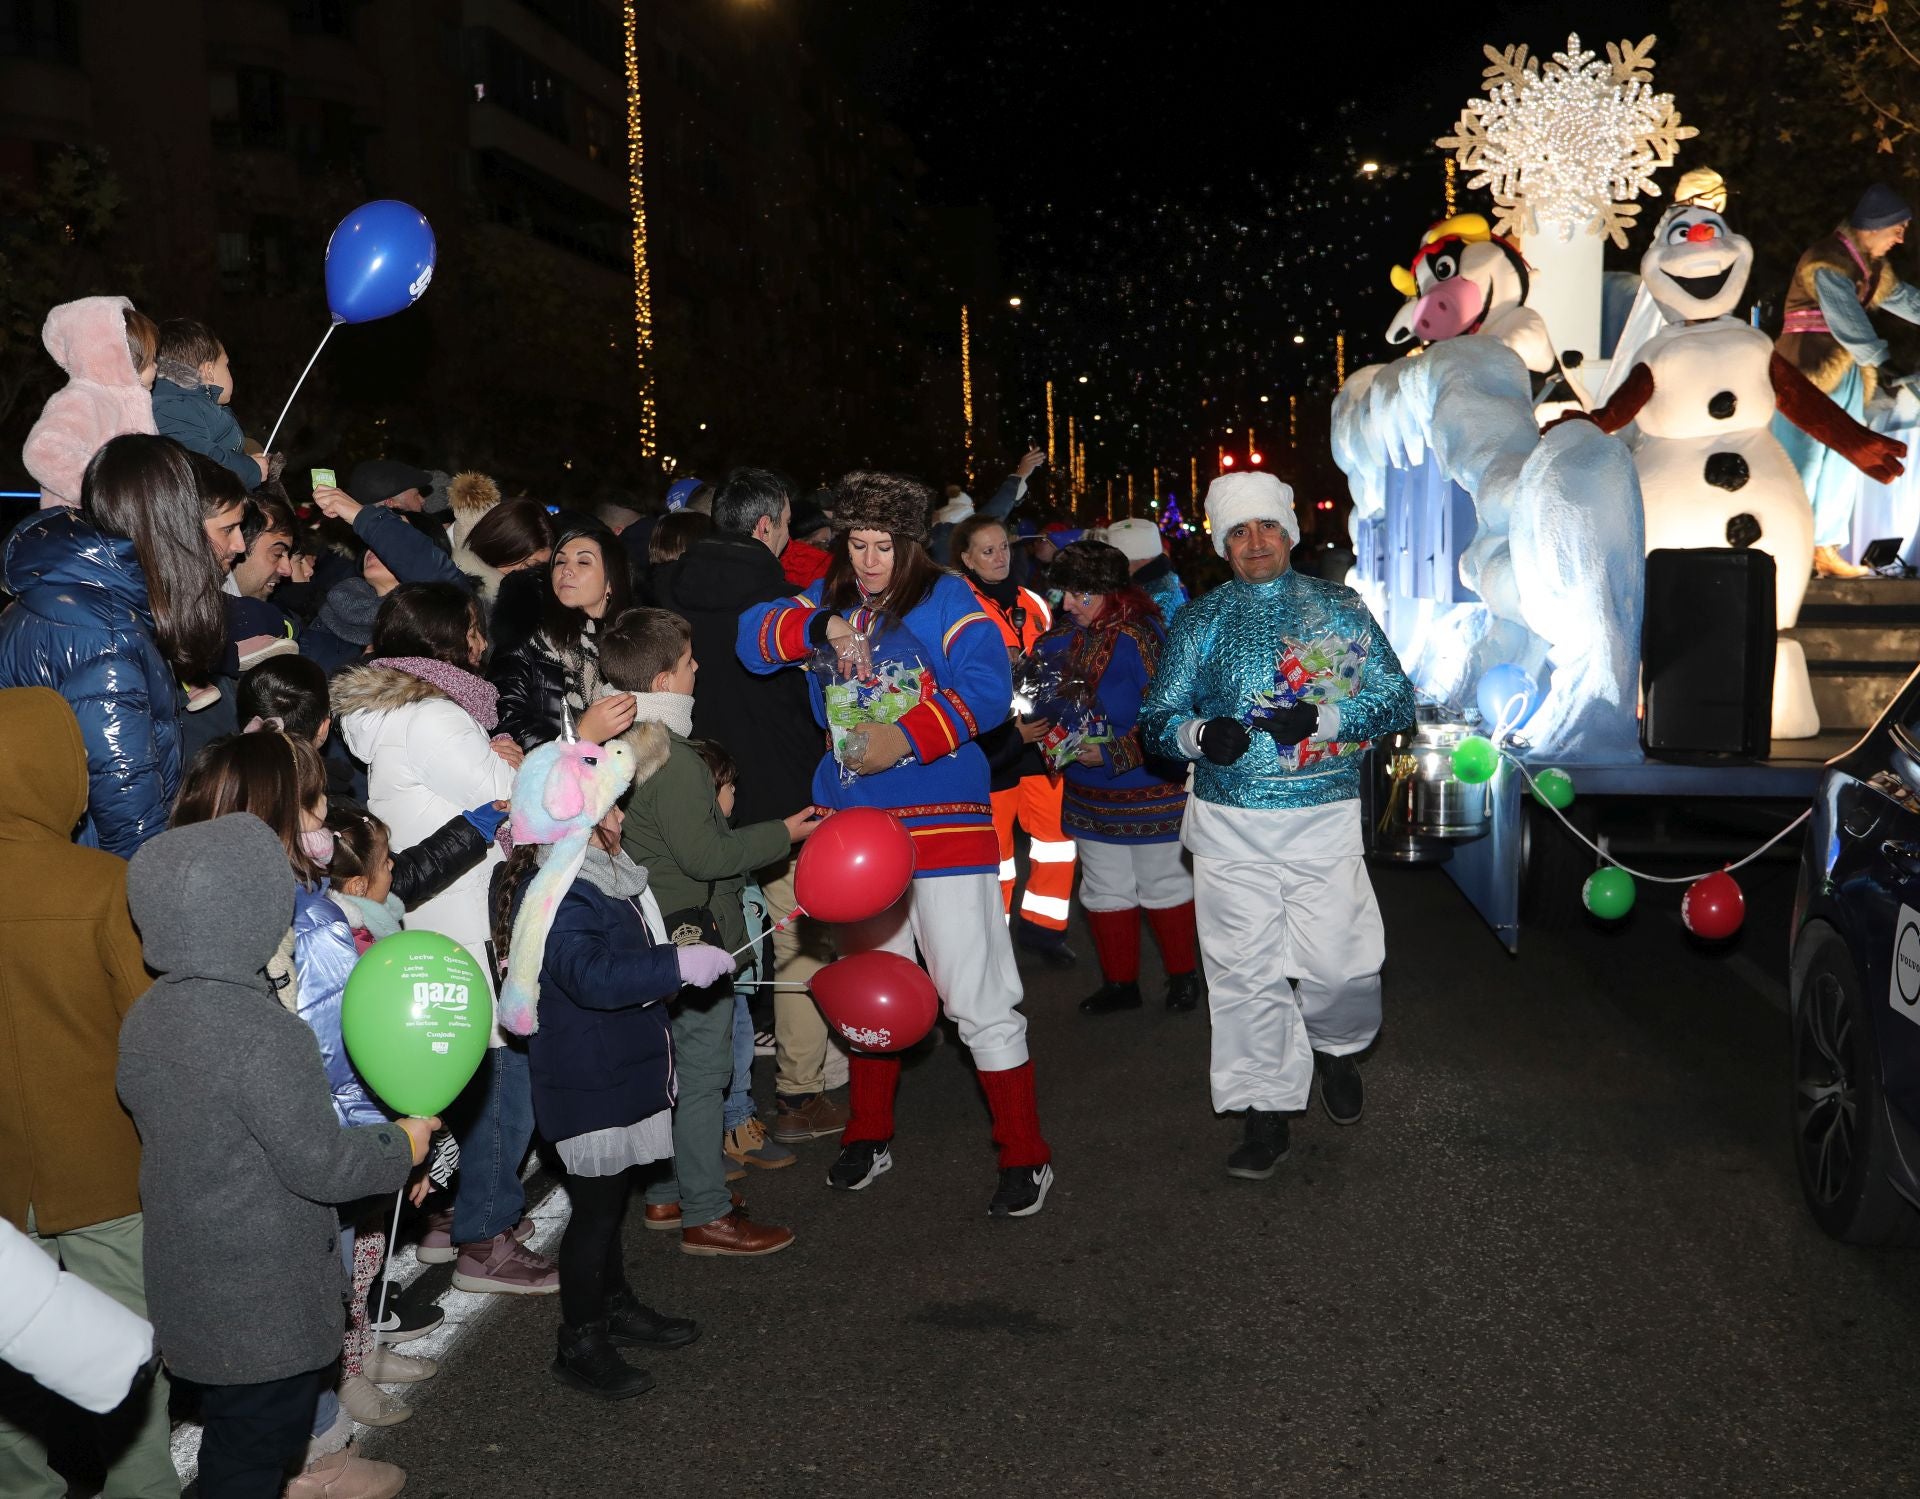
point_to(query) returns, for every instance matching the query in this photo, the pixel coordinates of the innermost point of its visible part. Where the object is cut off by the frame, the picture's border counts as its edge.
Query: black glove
(1291, 724)
(1224, 740)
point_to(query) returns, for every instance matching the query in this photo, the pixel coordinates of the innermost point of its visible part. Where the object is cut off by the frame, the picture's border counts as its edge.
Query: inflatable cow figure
(1466, 279)
(1702, 393)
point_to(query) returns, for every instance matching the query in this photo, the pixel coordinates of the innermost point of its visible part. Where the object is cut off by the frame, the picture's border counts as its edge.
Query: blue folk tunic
(1129, 797)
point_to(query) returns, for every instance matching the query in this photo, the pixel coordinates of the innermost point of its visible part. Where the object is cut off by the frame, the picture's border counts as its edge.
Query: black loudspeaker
(1706, 652)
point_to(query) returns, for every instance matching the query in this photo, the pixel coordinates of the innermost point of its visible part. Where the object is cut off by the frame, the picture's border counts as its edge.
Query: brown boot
(734, 1235)
(810, 1117)
(1828, 563)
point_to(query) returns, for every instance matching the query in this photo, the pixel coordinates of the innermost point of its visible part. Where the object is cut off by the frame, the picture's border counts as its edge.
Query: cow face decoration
(1461, 276)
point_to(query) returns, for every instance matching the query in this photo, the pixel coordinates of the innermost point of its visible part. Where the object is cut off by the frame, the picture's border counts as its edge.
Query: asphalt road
(1564, 1253)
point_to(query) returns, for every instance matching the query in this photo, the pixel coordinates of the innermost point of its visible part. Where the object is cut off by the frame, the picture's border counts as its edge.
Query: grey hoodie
(244, 1159)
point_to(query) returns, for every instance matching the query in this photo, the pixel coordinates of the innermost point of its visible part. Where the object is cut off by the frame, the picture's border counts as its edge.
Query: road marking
(464, 1311)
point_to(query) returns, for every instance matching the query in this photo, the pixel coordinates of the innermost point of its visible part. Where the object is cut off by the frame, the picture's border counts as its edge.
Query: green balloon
(1553, 788)
(416, 1018)
(1475, 759)
(1608, 893)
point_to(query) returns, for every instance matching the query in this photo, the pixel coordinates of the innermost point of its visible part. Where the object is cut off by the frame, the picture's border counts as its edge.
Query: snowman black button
(1727, 471)
(1723, 405)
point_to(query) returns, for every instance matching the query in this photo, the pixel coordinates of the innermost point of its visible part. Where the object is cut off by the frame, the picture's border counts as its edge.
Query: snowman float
(1702, 393)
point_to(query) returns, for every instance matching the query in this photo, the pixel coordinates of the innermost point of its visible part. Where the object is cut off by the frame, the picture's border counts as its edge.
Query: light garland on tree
(1569, 142)
(1049, 423)
(637, 206)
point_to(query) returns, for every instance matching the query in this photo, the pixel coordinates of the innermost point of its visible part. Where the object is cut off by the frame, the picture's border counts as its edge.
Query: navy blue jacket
(81, 624)
(193, 417)
(603, 1055)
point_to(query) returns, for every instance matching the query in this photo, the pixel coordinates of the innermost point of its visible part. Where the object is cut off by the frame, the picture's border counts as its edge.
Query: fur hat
(1089, 567)
(560, 794)
(882, 502)
(1235, 498)
(1138, 538)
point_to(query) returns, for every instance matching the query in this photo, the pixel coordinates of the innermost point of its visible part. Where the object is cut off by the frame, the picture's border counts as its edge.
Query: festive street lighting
(966, 388)
(1049, 423)
(637, 207)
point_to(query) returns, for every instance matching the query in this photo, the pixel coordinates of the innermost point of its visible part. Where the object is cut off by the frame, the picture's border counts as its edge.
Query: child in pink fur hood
(107, 350)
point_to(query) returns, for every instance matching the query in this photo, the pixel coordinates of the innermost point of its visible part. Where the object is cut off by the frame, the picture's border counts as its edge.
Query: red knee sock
(1116, 942)
(1016, 1116)
(870, 1084)
(1173, 929)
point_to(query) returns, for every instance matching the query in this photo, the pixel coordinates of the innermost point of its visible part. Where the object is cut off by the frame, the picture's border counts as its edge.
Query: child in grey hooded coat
(240, 1141)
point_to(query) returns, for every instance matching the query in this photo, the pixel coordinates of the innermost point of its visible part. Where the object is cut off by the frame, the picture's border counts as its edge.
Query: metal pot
(1419, 810)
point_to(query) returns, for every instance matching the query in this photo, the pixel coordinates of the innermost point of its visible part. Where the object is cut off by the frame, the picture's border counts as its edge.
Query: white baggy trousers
(1282, 899)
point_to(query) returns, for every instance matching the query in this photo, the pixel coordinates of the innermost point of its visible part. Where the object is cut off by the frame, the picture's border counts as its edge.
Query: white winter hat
(1138, 538)
(1234, 498)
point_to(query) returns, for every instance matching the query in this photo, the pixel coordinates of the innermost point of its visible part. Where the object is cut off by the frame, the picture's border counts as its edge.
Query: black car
(1855, 992)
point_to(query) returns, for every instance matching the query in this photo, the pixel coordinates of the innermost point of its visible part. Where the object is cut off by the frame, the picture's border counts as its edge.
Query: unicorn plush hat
(561, 793)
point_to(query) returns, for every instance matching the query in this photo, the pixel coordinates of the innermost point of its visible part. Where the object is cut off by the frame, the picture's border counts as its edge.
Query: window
(529, 200)
(523, 85)
(589, 24)
(231, 254)
(319, 17)
(45, 30)
(248, 108)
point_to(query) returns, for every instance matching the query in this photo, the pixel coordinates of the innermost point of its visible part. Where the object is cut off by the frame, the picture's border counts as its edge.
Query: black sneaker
(631, 1325)
(858, 1164)
(1022, 1191)
(1264, 1147)
(1111, 997)
(1185, 991)
(1342, 1094)
(405, 1318)
(1049, 946)
(589, 1362)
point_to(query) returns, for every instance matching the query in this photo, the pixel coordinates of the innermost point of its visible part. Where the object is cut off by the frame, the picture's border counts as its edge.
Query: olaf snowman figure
(1702, 394)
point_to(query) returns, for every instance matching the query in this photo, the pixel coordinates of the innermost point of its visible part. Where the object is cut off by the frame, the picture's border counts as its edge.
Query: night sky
(1178, 189)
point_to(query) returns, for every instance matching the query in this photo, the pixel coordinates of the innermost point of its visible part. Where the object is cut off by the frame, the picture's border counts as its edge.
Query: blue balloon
(1499, 686)
(379, 261)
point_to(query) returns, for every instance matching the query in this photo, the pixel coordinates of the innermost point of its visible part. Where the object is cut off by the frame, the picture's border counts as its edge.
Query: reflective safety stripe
(1044, 905)
(1006, 869)
(1051, 853)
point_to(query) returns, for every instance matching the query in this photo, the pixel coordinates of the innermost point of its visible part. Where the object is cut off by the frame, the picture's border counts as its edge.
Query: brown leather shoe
(734, 1235)
(667, 1214)
(808, 1118)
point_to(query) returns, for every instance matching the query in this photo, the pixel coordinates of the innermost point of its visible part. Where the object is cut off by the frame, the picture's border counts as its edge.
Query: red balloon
(857, 863)
(1713, 906)
(879, 1001)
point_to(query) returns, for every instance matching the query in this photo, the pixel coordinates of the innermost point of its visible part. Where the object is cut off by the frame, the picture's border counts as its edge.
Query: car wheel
(1843, 1144)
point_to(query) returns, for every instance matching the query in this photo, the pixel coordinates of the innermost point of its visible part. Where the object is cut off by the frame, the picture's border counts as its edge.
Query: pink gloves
(701, 965)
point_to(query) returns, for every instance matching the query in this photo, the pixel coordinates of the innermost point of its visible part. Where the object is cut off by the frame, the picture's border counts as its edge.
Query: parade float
(1510, 474)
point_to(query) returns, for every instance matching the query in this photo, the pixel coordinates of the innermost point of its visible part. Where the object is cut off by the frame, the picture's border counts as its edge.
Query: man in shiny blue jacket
(1273, 683)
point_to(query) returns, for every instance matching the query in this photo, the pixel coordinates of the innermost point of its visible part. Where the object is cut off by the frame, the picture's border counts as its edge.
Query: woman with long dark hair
(551, 675)
(117, 605)
(925, 671)
(1122, 809)
(425, 722)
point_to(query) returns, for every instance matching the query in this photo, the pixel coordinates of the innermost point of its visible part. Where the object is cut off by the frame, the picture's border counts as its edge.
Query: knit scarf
(614, 875)
(476, 695)
(674, 709)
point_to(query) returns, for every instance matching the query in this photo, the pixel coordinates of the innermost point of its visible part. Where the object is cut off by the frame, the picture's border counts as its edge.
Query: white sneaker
(385, 1366)
(347, 1475)
(370, 1405)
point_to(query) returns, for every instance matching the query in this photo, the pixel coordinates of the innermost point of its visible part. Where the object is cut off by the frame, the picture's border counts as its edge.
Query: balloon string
(386, 1265)
(779, 926)
(1652, 879)
(268, 448)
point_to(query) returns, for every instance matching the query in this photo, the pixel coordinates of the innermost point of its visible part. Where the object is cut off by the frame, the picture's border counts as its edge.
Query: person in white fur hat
(1272, 684)
(1148, 563)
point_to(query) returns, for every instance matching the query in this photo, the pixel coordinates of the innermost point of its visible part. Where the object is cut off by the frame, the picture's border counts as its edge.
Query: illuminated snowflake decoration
(1569, 142)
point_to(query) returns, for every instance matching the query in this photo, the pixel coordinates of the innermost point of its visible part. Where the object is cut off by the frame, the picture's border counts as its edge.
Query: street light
(1083, 379)
(1368, 168)
(1299, 338)
(1263, 400)
(1013, 301)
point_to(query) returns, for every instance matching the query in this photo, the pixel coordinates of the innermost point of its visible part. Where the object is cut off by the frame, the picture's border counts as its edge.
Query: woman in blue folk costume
(1273, 683)
(917, 672)
(1122, 809)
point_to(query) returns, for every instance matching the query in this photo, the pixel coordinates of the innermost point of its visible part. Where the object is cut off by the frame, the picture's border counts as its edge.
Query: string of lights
(1050, 424)
(642, 279)
(966, 387)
